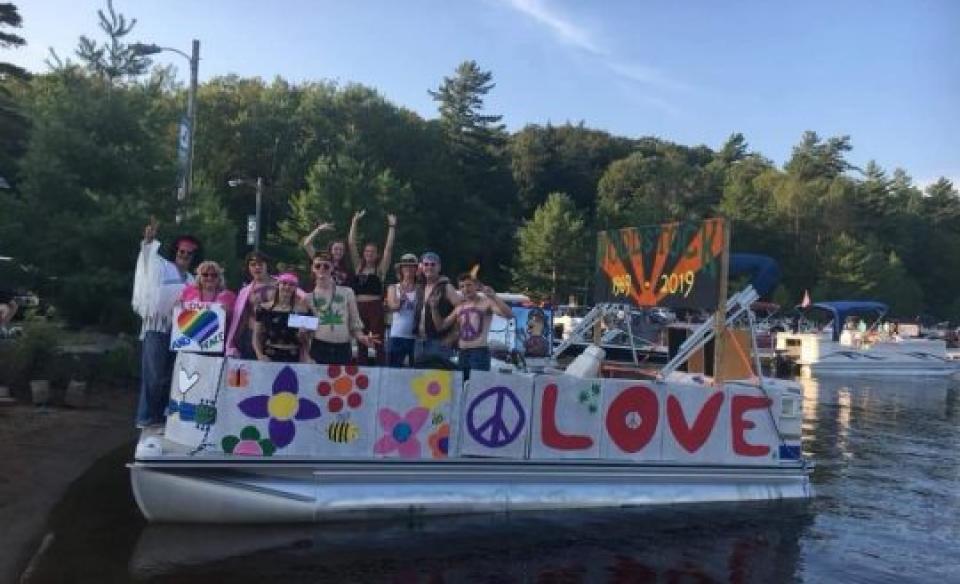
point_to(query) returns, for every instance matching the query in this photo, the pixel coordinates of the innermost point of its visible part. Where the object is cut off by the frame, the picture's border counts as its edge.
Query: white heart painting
(188, 381)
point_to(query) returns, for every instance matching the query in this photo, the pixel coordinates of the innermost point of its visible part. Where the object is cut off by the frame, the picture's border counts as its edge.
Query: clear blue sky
(886, 73)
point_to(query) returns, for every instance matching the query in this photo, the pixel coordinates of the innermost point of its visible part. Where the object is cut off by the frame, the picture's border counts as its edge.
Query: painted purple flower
(400, 433)
(282, 408)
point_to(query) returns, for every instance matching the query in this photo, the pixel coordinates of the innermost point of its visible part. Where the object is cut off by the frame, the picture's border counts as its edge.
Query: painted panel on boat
(632, 420)
(249, 408)
(567, 418)
(268, 409)
(496, 415)
(193, 408)
(417, 413)
(199, 328)
(696, 425)
(754, 438)
(348, 397)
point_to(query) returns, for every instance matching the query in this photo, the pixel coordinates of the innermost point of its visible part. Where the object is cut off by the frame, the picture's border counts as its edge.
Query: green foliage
(207, 220)
(337, 186)
(13, 125)
(119, 365)
(10, 17)
(114, 59)
(566, 158)
(460, 100)
(645, 189)
(29, 356)
(91, 158)
(860, 270)
(553, 251)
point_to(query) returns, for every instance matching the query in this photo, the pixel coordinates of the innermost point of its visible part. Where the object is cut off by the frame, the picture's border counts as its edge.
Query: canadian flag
(806, 299)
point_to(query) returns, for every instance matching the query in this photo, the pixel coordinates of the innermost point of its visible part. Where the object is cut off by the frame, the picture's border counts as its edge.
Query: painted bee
(343, 431)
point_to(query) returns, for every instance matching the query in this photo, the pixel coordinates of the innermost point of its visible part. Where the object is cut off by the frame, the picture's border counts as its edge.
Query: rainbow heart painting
(198, 330)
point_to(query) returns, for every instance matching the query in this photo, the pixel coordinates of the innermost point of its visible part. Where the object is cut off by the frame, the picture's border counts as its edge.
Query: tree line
(89, 151)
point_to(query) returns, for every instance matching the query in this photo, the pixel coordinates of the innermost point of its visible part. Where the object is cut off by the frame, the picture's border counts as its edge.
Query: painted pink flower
(400, 432)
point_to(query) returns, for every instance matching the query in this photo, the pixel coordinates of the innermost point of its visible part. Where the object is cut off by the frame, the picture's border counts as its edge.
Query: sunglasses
(428, 264)
(185, 252)
(322, 266)
(209, 275)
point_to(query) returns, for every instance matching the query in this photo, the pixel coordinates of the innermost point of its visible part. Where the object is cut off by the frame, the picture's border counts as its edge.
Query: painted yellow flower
(433, 388)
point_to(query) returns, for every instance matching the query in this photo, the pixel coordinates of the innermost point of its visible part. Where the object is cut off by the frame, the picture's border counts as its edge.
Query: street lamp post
(236, 182)
(194, 57)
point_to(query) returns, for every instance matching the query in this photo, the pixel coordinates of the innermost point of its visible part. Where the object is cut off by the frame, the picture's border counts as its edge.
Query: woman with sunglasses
(273, 339)
(210, 287)
(157, 286)
(336, 310)
(368, 282)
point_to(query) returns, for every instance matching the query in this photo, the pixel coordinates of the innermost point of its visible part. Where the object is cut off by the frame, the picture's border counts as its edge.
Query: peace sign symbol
(493, 431)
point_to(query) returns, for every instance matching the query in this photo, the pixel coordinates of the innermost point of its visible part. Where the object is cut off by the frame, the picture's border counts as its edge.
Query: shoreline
(45, 450)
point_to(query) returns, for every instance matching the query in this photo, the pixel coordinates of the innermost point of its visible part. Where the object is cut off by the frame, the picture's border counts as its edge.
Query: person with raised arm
(157, 286)
(337, 250)
(261, 288)
(335, 308)
(370, 278)
(474, 316)
(402, 301)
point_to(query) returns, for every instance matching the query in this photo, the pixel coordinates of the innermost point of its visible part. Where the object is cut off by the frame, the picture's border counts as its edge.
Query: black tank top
(275, 326)
(368, 284)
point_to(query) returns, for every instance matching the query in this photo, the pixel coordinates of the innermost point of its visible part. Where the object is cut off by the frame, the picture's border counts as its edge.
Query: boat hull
(818, 355)
(311, 491)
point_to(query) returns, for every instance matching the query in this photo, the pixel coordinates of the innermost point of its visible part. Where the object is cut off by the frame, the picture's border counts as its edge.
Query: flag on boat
(806, 299)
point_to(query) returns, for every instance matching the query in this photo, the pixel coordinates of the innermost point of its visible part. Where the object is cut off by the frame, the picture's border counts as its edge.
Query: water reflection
(887, 479)
(740, 543)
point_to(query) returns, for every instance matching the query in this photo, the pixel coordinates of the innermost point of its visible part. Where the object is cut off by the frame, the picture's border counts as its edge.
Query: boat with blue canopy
(843, 349)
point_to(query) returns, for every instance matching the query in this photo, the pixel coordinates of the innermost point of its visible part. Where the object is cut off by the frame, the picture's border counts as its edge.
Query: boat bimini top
(841, 309)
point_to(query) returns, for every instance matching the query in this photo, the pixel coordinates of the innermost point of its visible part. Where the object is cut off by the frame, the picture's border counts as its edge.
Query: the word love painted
(637, 421)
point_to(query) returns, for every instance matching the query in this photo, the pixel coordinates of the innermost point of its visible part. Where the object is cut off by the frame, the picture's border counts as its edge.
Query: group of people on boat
(347, 302)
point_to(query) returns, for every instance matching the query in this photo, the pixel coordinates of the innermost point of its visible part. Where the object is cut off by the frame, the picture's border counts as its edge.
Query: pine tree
(9, 16)
(13, 125)
(114, 59)
(460, 98)
(552, 255)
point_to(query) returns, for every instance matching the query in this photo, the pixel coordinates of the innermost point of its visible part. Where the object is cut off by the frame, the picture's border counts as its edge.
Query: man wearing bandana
(157, 285)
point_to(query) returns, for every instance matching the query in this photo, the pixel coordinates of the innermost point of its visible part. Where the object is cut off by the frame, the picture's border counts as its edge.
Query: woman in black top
(369, 281)
(273, 339)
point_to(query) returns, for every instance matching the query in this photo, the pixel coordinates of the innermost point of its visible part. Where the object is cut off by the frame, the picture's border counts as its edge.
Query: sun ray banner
(675, 265)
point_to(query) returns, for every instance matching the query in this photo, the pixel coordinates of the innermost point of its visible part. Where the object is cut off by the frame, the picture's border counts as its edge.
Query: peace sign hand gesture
(150, 231)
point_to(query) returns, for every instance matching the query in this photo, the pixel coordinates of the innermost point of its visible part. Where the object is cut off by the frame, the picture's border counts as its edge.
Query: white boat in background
(247, 441)
(841, 351)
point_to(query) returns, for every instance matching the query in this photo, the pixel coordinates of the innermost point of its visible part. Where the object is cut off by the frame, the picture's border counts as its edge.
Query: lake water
(887, 510)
